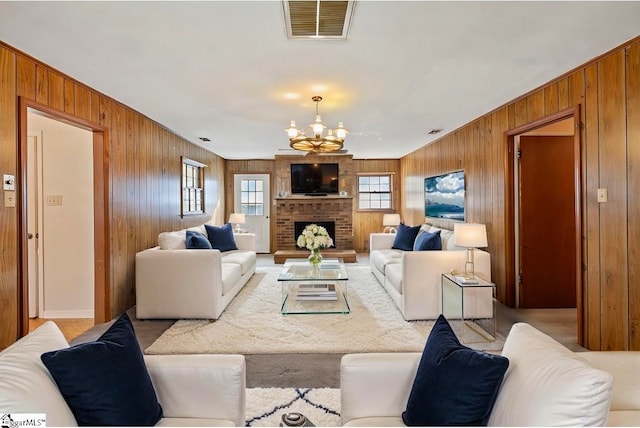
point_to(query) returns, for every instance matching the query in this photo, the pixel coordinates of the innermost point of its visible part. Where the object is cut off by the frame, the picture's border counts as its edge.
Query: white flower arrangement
(314, 237)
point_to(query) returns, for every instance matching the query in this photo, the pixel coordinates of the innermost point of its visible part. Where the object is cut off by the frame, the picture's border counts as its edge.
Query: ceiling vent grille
(318, 19)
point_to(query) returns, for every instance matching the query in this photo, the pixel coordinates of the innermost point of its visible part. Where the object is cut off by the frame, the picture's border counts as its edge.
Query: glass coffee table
(309, 290)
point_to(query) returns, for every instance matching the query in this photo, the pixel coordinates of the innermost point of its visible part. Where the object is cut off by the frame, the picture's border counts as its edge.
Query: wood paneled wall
(367, 222)
(608, 92)
(144, 168)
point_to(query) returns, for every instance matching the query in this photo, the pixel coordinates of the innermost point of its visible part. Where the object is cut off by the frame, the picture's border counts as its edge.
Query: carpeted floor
(252, 324)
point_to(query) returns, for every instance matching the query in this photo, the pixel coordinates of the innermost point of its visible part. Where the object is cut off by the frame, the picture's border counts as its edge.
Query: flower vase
(315, 258)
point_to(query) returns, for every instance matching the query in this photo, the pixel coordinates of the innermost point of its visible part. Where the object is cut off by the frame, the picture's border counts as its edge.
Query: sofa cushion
(454, 385)
(549, 385)
(246, 259)
(231, 273)
(26, 385)
(405, 236)
(197, 241)
(393, 276)
(106, 382)
(221, 237)
(427, 241)
(379, 259)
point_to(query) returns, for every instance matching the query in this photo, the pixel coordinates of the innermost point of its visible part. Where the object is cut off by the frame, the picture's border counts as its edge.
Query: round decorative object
(343, 193)
(315, 258)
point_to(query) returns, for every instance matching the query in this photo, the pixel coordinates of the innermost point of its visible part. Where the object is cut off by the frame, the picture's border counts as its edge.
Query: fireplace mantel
(312, 198)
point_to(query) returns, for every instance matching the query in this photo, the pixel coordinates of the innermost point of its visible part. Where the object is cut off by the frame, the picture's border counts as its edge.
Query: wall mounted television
(314, 178)
(444, 196)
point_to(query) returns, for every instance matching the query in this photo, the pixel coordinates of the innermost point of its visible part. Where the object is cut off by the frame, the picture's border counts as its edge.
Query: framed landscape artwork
(444, 196)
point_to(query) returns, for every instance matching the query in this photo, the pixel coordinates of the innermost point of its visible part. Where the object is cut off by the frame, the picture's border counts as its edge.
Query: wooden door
(547, 222)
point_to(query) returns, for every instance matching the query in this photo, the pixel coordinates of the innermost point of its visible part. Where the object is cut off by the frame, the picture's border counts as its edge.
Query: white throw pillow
(27, 386)
(425, 227)
(546, 384)
(178, 240)
(173, 240)
(199, 229)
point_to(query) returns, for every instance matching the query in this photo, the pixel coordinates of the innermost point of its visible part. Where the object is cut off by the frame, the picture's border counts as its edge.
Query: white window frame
(192, 191)
(374, 191)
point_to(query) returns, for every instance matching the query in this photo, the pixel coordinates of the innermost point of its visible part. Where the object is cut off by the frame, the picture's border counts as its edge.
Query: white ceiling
(221, 69)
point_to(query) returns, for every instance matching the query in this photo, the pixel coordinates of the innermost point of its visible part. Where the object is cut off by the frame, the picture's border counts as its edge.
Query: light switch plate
(9, 182)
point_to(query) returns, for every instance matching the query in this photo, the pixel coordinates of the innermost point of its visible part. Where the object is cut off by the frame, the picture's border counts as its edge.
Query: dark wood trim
(102, 248)
(509, 227)
(102, 309)
(547, 120)
(21, 199)
(510, 273)
(579, 186)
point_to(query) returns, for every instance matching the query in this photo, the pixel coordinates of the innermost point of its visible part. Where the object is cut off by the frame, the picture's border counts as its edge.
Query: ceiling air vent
(318, 19)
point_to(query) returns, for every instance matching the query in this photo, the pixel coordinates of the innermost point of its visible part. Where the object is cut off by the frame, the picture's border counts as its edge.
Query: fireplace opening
(298, 227)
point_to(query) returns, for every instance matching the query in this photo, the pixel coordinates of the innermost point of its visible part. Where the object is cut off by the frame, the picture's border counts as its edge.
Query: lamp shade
(391, 219)
(470, 235)
(236, 218)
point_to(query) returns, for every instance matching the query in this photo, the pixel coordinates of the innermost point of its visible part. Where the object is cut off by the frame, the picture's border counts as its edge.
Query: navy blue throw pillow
(106, 382)
(197, 241)
(405, 235)
(221, 237)
(427, 241)
(454, 385)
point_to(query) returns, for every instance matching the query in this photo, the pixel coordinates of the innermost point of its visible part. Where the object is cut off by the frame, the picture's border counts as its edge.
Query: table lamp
(470, 235)
(237, 219)
(390, 222)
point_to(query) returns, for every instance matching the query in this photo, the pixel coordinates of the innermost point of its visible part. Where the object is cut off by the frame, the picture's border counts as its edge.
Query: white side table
(470, 305)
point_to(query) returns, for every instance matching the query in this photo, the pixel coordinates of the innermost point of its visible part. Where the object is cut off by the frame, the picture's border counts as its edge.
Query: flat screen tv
(314, 178)
(444, 196)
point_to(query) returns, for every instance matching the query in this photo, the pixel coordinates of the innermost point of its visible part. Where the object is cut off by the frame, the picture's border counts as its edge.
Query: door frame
(101, 203)
(510, 192)
(37, 165)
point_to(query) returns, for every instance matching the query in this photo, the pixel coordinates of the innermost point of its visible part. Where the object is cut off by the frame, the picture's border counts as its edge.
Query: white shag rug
(265, 406)
(253, 324)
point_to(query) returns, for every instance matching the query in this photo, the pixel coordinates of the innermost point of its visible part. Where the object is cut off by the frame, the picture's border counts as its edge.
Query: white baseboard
(81, 313)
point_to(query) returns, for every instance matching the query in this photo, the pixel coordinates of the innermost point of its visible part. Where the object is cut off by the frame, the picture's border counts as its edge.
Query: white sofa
(545, 385)
(413, 278)
(193, 390)
(173, 282)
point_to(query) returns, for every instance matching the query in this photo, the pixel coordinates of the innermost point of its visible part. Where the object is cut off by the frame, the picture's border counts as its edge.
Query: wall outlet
(602, 195)
(54, 200)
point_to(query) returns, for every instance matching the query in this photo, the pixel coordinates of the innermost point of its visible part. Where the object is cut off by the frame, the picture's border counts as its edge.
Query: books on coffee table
(316, 291)
(465, 280)
(330, 264)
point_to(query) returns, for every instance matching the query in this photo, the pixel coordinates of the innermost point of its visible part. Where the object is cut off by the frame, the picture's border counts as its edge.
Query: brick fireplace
(307, 209)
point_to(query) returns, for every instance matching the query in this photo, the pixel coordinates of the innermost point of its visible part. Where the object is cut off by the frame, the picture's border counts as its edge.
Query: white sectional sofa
(545, 385)
(413, 278)
(193, 390)
(173, 282)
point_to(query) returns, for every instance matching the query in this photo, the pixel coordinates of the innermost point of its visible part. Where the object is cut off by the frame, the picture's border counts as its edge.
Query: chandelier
(316, 142)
